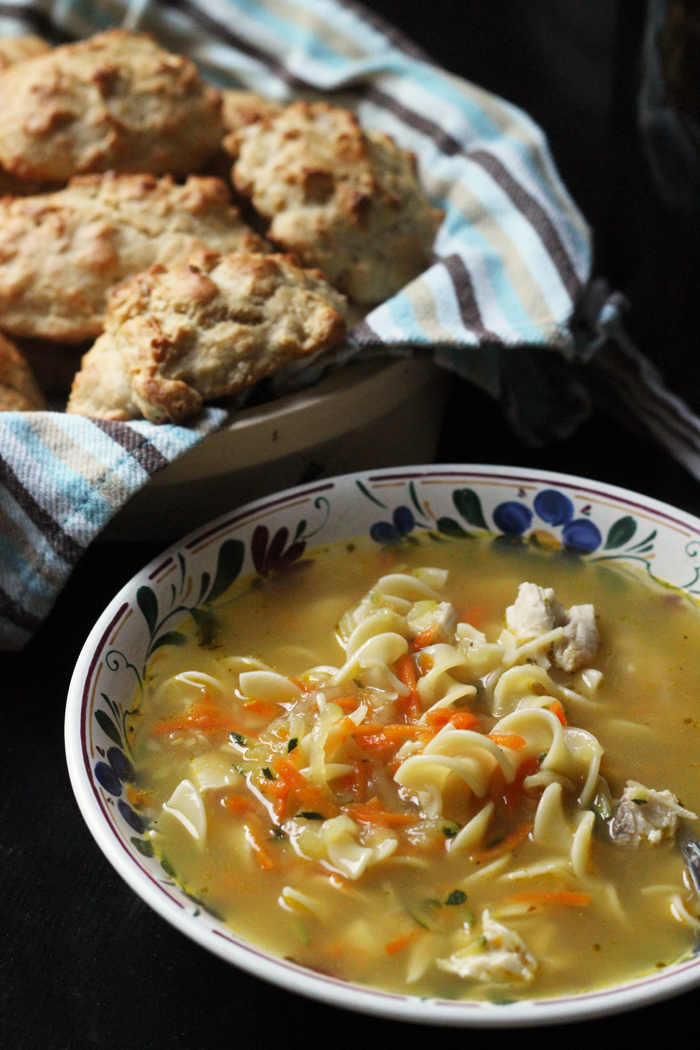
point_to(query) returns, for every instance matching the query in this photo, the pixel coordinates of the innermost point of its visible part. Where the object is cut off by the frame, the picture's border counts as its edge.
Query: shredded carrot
(440, 716)
(202, 718)
(511, 740)
(505, 795)
(253, 838)
(239, 804)
(372, 813)
(558, 710)
(425, 662)
(398, 943)
(262, 707)
(406, 673)
(347, 703)
(425, 638)
(291, 780)
(565, 897)
(464, 720)
(504, 846)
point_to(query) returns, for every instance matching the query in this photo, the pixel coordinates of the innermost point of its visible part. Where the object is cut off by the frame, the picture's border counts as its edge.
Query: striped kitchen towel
(511, 262)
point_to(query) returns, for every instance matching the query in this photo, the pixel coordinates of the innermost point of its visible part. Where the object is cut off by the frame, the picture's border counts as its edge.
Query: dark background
(85, 964)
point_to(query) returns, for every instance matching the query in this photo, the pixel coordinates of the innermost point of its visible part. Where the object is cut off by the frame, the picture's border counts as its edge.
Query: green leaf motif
(469, 506)
(228, 567)
(301, 527)
(169, 638)
(108, 727)
(143, 846)
(450, 527)
(148, 604)
(621, 532)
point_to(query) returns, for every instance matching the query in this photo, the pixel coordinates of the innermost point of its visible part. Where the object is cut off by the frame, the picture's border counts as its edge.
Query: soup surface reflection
(379, 773)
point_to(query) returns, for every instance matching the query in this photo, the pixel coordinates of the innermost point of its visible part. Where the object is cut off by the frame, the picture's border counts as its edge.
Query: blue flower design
(131, 817)
(554, 507)
(582, 535)
(105, 775)
(402, 523)
(512, 518)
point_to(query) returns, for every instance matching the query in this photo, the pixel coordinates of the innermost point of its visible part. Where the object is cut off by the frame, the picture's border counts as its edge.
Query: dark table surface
(85, 963)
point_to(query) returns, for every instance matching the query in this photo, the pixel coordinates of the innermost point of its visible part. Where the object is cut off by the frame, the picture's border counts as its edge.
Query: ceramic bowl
(598, 521)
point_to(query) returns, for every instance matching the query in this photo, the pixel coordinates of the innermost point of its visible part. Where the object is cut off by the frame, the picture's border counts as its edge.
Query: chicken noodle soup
(453, 769)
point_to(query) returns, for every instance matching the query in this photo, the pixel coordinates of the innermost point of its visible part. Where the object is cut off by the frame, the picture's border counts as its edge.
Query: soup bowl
(588, 519)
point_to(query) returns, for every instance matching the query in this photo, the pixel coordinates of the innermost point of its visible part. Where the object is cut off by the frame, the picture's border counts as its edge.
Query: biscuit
(117, 101)
(203, 330)
(240, 110)
(62, 253)
(345, 201)
(18, 389)
(15, 49)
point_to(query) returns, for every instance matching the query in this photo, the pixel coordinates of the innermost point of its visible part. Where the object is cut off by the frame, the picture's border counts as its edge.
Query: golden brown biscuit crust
(240, 110)
(203, 330)
(18, 389)
(14, 49)
(117, 101)
(343, 200)
(62, 253)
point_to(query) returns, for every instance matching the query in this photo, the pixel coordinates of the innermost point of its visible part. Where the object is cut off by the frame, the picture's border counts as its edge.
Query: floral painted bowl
(597, 521)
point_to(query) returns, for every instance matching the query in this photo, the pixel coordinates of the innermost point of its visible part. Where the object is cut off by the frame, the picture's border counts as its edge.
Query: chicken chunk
(643, 814)
(534, 612)
(498, 956)
(582, 639)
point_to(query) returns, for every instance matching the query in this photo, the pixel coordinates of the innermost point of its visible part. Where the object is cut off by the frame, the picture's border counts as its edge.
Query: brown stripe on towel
(139, 447)
(16, 614)
(64, 545)
(536, 216)
(444, 141)
(363, 335)
(466, 300)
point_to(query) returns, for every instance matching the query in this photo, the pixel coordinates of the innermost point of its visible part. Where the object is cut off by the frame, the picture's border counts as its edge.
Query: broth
(388, 928)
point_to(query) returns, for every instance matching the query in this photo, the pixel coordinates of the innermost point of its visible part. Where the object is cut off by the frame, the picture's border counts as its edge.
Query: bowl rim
(222, 941)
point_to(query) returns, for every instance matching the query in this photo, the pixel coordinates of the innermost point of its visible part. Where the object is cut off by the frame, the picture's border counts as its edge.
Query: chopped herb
(358, 683)
(469, 917)
(495, 842)
(310, 814)
(277, 833)
(541, 758)
(267, 772)
(448, 832)
(481, 942)
(640, 801)
(292, 744)
(238, 738)
(455, 898)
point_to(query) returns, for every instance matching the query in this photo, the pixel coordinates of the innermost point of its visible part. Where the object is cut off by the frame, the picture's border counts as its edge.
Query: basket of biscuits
(203, 216)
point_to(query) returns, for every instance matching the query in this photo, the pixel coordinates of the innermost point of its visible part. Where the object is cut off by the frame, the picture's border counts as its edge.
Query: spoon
(690, 848)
